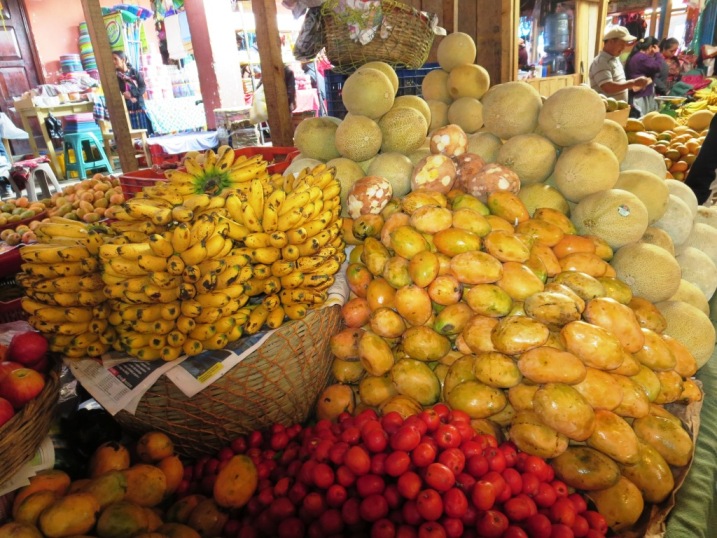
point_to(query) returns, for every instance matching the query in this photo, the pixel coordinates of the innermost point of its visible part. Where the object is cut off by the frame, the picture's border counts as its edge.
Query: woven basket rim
(23, 433)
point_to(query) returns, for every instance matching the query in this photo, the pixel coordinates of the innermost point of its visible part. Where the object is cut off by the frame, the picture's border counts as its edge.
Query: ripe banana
(181, 238)
(256, 320)
(151, 263)
(275, 318)
(176, 265)
(160, 245)
(194, 254)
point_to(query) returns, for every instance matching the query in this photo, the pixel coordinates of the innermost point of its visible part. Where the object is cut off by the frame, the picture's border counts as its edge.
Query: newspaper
(118, 382)
(44, 458)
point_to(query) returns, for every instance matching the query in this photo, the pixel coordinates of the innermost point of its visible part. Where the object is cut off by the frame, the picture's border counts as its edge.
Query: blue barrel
(557, 32)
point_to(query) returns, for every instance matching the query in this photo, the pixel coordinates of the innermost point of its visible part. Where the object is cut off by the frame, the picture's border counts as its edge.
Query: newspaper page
(44, 458)
(121, 381)
(200, 371)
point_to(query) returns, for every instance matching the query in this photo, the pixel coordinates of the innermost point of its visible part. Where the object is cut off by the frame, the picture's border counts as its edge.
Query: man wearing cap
(607, 75)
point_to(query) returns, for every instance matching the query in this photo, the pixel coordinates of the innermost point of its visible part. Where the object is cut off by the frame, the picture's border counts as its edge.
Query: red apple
(6, 367)
(6, 411)
(21, 386)
(27, 348)
(42, 366)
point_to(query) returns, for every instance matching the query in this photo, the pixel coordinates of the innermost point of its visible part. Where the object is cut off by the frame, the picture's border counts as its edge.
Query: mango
(146, 485)
(333, 400)
(469, 201)
(672, 388)
(470, 220)
(585, 468)
(614, 437)
(423, 268)
(177, 530)
(616, 289)
(375, 354)
(650, 473)
(30, 508)
(387, 323)
(420, 198)
(344, 344)
(376, 389)
(553, 216)
(452, 319)
(414, 304)
(476, 268)
(347, 371)
(476, 399)
(620, 504)
(16, 529)
(445, 290)
(122, 520)
(396, 272)
(207, 518)
(402, 404)
(666, 437)
(453, 241)
(424, 344)
(380, 293)
(393, 222)
(358, 278)
(406, 242)
(648, 381)
(431, 220)
(50, 480)
(517, 334)
(634, 401)
(565, 410)
(519, 282)
(530, 434)
(180, 510)
(496, 370)
(108, 488)
(374, 255)
(234, 486)
(478, 334)
(414, 378)
(460, 371)
(71, 515)
(369, 225)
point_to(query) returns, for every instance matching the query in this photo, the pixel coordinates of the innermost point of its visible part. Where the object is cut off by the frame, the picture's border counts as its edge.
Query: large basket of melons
(277, 383)
(29, 390)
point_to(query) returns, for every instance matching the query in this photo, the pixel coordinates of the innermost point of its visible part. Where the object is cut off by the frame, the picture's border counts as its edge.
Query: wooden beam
(450, 15)
(665, 21)
(602, 15)
(113, 97)
(272, 72)
(653, 18)
(509, 40)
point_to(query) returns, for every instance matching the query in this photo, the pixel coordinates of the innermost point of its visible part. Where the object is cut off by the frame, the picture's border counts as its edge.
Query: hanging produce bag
(311, 38)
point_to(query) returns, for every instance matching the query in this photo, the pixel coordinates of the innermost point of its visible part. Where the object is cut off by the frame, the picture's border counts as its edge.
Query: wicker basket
(23, 433)
(407, 45)
(278, 383)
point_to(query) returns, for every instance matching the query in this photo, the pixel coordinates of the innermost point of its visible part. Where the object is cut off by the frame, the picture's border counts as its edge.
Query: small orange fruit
(154, 446)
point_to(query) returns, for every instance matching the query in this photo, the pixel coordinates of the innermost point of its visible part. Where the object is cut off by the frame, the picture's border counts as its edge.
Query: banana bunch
(64, 294)
(292, 238)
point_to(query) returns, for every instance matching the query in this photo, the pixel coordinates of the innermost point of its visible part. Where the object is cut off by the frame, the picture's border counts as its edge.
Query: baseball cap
(619, 32)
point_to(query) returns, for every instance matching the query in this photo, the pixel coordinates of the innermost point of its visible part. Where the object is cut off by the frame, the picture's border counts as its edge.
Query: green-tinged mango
(453, 241)
(453, 319)
(423, 268)
(415, 379)
(396, 272)
(424, 344)
(471, 220)
(375, 354)
(374, 255)
(489, 300)
(414, 304)
(376, 389)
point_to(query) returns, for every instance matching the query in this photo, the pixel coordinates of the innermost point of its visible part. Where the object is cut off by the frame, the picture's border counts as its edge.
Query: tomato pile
(427, 476)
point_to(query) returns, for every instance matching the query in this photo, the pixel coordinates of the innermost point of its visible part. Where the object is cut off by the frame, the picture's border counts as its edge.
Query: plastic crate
(409, 83)
(278, 158)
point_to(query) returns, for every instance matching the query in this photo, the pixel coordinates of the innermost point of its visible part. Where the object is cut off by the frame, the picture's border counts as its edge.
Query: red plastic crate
(278, 158)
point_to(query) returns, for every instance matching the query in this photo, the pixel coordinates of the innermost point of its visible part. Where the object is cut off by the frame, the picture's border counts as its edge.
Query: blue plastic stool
(89, 155)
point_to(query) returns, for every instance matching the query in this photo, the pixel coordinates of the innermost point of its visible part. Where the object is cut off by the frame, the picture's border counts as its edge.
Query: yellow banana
(278, 239)
(256, 198)
(292, 280)
(256, 320)
(225, 324)
(53, 253)
(135, 340)
(275, 318)
(160, 326)
(228, 276)
(66, 328)
(191, 273)
(126, 267)
(157, 341)
(94, 241)
(272, 285)
(225, 158)
(332, 190)
(130, 251)
(257, 240)
(31, 306)
(148, 354)
(84, 339)
(209, 315)
(292, 219)
(239, 259)
(194, 254)
(87, 282)
(215, 245)
(261, 270)
(217, 341)
(55, 314)
(142, 209)
(203, 331)
(216, 299)
(176, 338)
(290, 253)
(98, 326)
(152, 263)
(197, 202)
(298, 295)
(89, 265)
(266, 255)
(63, 230)
(237, 232)
(161, 295)
(329, 267)
(132, 297)
(294, 200)
(179, 176)
(211, 266)
(193, 165)
(250, 218)
(296, 236)
(308, 264)
(176, 265)
(67, 284)
(187, 291)
(192, 347)
(170, 353)
(295, 310)
(143, 226)
(114, 291)
(185, 324)
(135, 237)
(254, 286)
(315, 243)
(97, 349)
(236, 333)
(282, 268)
(170, 311)
(202, 229)
(181, 238)
(150, 312)
(190, 308)
(233, 203)
(164, 279)
(207, 283)
(44, 270)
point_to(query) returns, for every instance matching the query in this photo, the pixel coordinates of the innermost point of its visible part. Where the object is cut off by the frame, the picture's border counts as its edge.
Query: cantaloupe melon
(396, 168)
(358, 138)
(682, 191)
(572, 115)
(703, 237)
(531, 156)
(468, 80)
(613, 136)
(707, 215)
(315, 138)
(618, 217)
(456, 49)
(584, 169)
(650, 271)
(659, 122)
(639, 157)
(297, 165)
(368, 92)
(365, 164)
(386, 70)
(413, 101)
(348, 172)
(691, 294)
(700, 120)
(691, 327)
(419, 154)
(677, 220)
(658, 237)
(435, 86)
(439, 115)
(511, 109)
(404, 130)
(698, 268)
(467, 113)
(541, 195)
(649, 188)
(484, 144)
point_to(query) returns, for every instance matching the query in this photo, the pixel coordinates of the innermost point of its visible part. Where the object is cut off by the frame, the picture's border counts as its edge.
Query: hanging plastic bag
(258, 112)
(54, 127)
(311, 38)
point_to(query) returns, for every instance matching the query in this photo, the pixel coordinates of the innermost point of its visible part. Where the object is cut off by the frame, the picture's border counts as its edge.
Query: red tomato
(406, 531)
(417, 423)
(530, 484)
(373, 508)
(323, 476)
(375, 439)
(455, 503)
(314, 504)
(336, 495)
(459, 416)
(580, 528)
(538, 526)
(596, 521)
(514, 532)
(367, 415)
(465, 483)
(397, 463)
(561, 531)
(500, 484)
(431, 418)
(519, 508)
(370, 484)
(537, 466)
(578, 502)
(491, 523)
(282, 508)
(452, 526)
(483, 495)
(471, 448)
(393, 497)
(546, 495)
(454, 459)
(345, 477)
(469, 518)
(378, 463)
(496, 459)
(351, 435)
(409, 485)
(429, 505)
(513, 479)
(350, 511)
(391, 422)
(439, 477)
(306, 472)
(331, 522)
(357, 460)
(443, 411)
(279, 441)
(510, 452)
(266, 496)
(448, 436)
(423, 455)
(431, 529)
(383, 528)
(477, 466)
(297, 492)
(406, 438)
(337, 453)
(561, 488)
(410, 513)
(592, 533)
(563, 511)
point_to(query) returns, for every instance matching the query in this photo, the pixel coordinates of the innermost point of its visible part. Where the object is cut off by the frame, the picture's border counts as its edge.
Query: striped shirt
(607, 68)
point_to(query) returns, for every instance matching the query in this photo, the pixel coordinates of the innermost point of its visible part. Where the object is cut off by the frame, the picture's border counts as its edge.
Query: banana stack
(64, 290)
(292, 238)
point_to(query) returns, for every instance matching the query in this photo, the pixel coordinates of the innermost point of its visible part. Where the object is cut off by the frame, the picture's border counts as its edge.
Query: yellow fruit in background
(368, 92)
(700, 120)
(236, 482)
(15, 529)
(650, 271)
(154, 446)
(512, 108)
(456, 49)
(572, 115)
(470, 80)
(71, 515)
(110, 456)
(386, 70)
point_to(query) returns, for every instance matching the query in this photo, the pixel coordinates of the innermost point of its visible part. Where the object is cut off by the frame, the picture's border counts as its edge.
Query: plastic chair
(40, 175)
(84, 153)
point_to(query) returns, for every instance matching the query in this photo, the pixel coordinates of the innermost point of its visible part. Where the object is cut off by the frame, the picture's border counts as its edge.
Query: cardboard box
(620, 116)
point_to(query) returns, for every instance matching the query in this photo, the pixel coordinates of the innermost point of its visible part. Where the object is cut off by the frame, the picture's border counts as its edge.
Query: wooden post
(113, 97)
(272, 72)
(450, 15)
(510, 14)
(653, 18)
(602, 15)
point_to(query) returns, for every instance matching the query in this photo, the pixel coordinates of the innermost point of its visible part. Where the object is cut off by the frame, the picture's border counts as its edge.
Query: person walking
(132, 86)
(607, 75)
(644, 61)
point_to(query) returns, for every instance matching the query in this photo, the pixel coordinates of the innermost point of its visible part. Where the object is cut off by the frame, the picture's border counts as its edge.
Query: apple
(6, 411)
(42, 365)
(27, 348)
(22, 385)
(6, 367)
